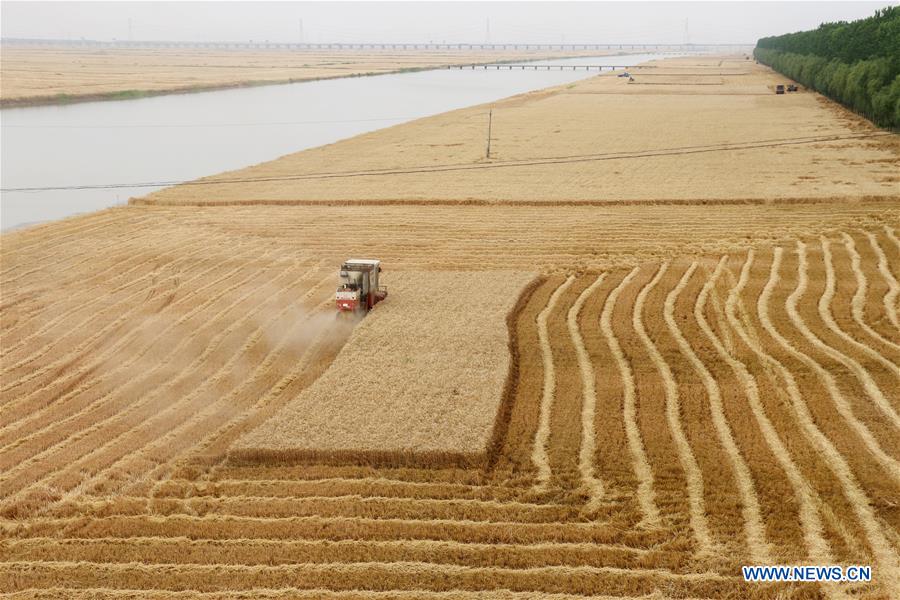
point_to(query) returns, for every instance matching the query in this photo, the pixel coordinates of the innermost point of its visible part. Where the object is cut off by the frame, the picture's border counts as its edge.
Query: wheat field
(52, 74)
(670, 387)
(671, 416)
(599, 140)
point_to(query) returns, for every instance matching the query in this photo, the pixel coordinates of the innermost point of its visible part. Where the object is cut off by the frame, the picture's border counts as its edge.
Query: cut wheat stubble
(760, 551)
(884, 553)
(890, 297)
(826, 313)
(645, 492)
(811, 524)
(891, 466)
(592, 483)
(542, 436)
(859, 298)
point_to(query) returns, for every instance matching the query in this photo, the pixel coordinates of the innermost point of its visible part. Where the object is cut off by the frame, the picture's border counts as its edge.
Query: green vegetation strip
(856, 64)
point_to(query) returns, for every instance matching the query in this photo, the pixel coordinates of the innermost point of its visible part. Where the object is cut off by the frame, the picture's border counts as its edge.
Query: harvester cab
(359, 290)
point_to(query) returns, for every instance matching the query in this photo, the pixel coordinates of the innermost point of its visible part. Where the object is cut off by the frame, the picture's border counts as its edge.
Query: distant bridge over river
(266, 45)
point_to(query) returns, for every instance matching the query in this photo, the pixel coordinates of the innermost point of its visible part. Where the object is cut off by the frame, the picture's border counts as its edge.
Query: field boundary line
(295, 593)
(401, 565)
(349, 202)
(227, 527)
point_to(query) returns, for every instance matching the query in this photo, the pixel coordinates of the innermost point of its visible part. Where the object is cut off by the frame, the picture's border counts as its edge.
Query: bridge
(536, 67)
(251, 45)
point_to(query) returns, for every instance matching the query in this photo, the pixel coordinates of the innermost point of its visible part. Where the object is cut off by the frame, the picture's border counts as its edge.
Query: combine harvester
(359, 291)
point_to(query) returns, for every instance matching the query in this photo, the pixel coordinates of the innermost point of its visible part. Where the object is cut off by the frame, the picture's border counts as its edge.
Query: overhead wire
(621, 155)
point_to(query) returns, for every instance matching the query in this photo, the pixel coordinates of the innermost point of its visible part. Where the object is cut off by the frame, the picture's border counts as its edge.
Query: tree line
(856, 64)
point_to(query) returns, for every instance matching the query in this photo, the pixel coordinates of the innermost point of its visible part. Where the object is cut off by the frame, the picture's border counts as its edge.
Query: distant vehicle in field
(359, 290)
(624, 74)
(779, 89)
(791, 87)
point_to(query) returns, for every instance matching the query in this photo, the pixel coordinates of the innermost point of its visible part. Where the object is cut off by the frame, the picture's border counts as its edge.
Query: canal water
(181, 137)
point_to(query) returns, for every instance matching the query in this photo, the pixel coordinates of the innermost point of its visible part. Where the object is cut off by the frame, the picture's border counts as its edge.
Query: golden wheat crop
(647, 396)
(438, 347)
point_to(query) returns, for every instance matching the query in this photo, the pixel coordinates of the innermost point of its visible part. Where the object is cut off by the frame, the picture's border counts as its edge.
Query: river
(186, 136)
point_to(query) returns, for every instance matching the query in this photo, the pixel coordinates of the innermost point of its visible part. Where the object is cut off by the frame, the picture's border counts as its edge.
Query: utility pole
(490, 121)
(687, 35)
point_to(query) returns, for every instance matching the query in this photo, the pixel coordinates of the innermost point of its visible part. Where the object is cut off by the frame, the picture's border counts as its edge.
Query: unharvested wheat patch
(436, 359)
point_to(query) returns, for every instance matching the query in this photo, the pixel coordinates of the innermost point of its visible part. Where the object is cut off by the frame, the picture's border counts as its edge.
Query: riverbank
(36, 76)
(691, 129)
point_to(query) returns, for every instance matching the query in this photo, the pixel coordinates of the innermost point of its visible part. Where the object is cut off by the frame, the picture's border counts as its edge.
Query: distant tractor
(359, 290)
(779, 89)
(791, 87)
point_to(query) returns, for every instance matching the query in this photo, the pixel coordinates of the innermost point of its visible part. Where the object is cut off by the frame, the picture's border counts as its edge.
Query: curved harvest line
(542, 435)
(843, 406)
(754, 528)
(859, 297)
(588, 448)
(811, 524)
(98, 402)
(646, 495)
(827, 315)
(861, 374)
(860, 503)
(890, 298)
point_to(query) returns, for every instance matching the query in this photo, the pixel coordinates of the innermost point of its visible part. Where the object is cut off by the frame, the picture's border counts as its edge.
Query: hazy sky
(549, 22)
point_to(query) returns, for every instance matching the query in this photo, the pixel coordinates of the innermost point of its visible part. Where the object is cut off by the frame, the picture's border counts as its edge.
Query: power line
(622, 155)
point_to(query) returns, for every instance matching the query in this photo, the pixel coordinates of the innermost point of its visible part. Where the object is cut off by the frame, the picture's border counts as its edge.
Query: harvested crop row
(858, 503)
(275, 552)
(376, 576)
(375, 486)
(339, 506)
(334, 529)
(211, 408)
(515, 455)
(288, 593)
(132, 429)
(67, 408)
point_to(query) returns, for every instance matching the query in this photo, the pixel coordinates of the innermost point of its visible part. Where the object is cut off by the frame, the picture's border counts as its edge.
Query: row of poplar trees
(857, 64)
